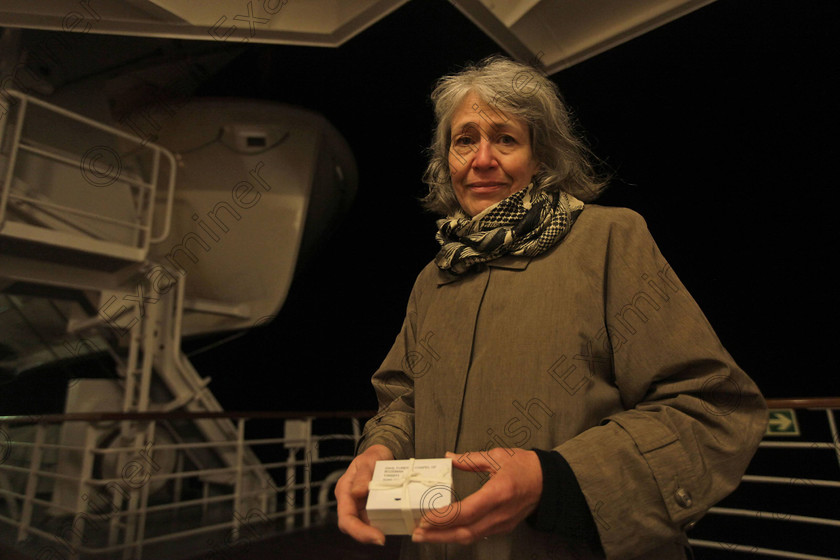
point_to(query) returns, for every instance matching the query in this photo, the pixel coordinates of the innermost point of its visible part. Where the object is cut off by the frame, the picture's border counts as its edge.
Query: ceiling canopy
(554, 34)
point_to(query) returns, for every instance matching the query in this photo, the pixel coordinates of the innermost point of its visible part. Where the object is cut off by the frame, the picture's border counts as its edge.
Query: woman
(589, 407)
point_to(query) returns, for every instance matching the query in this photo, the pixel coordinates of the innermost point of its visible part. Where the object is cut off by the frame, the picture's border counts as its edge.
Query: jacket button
(689, 526)
(683, 497)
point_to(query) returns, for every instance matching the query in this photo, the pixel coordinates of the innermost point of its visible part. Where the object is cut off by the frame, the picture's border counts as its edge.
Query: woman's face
(490, 155)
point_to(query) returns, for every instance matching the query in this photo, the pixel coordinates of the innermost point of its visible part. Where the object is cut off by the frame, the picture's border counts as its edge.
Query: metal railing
(52, 169)
(778, 521)
(165, 491)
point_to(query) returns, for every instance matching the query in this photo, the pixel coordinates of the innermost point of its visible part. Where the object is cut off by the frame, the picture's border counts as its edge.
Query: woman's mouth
(485, 186)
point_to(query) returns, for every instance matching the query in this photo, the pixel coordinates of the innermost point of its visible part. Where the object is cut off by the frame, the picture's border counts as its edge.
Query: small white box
(401, 492)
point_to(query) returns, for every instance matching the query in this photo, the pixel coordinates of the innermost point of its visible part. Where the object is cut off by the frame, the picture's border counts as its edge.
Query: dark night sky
(719, 128)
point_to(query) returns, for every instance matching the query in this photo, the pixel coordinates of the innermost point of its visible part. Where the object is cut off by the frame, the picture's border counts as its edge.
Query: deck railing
(168, 493)
(795, 472)
(69, 181)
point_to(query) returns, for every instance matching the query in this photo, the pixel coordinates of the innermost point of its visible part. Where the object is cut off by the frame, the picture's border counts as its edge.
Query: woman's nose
(484, 157)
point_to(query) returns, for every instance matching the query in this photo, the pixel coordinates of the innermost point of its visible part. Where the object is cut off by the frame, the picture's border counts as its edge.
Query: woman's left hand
(512, 493)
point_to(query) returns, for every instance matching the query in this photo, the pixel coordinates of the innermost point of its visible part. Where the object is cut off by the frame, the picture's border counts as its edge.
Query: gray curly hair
(520, 91)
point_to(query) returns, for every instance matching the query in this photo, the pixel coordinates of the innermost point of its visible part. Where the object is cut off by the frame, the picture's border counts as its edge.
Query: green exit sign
(782, 423)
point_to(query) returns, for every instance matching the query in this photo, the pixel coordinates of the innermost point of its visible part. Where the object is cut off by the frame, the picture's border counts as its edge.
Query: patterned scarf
(522, 224)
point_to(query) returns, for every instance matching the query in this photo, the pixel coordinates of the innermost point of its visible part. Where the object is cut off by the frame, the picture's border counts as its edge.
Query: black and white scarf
(522, 224)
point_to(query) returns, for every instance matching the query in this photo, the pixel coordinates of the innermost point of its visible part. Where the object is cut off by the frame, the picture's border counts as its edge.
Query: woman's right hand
(351, 491)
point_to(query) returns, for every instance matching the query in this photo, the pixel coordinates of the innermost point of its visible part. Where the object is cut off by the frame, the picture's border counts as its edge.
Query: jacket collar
(508, 262)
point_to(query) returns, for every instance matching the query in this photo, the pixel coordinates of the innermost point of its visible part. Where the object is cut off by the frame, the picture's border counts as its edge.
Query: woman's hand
(351, 491)
(512, 493)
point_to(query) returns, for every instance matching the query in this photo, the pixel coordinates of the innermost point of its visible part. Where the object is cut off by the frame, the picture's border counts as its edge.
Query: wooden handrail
(816, 402)
(800, 403)
(179, 415)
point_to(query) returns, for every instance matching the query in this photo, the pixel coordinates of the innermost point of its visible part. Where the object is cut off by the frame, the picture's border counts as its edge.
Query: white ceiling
(324, 23)
(560, 33)
(553, 33)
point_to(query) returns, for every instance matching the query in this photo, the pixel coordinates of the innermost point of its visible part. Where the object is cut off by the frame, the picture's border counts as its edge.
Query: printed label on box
(401, 491)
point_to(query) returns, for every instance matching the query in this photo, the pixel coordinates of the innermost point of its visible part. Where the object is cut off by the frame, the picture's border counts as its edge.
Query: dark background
(719, 129)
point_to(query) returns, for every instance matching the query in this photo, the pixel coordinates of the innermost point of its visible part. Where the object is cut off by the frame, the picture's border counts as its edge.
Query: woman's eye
(463, 141)
(506, 139)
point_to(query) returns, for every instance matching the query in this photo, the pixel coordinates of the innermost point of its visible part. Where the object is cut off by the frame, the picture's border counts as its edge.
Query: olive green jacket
(594, 349)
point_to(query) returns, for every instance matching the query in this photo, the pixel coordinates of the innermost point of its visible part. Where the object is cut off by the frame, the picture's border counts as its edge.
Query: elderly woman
(550, 351)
